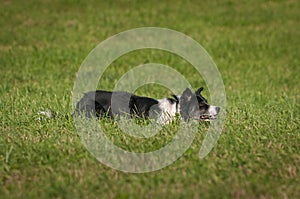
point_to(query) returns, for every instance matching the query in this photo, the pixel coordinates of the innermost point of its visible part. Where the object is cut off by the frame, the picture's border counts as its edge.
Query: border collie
(189, 105)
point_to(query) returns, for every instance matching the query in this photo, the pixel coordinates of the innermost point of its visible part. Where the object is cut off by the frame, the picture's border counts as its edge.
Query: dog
(188, 105)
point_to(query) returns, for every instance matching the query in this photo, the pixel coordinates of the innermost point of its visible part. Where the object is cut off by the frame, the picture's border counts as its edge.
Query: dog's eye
(202, 104)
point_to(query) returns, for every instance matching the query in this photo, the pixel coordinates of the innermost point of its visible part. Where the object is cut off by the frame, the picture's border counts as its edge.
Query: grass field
(255, 45)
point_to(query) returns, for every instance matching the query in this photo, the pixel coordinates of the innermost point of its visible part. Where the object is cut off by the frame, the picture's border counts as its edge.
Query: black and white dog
(189, 105)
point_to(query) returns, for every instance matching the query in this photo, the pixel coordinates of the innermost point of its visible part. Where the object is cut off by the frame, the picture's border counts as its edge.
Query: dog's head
(207, 112)
(194, 106)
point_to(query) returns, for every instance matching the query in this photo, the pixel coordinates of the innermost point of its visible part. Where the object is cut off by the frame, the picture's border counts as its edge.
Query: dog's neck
(169, 108)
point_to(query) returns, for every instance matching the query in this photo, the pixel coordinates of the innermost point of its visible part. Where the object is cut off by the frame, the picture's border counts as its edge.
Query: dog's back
(105, 103)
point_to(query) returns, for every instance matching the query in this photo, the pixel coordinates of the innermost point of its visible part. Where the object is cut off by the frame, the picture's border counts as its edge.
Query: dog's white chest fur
(168, 111)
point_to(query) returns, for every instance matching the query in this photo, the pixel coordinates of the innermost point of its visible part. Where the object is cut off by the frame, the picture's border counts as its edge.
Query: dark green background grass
(255, 45)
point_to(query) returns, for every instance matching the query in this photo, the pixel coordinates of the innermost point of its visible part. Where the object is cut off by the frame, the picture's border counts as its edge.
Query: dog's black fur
(99, 103)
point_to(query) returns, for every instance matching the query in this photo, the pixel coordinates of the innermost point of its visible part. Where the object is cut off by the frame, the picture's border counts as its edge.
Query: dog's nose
(218, 109)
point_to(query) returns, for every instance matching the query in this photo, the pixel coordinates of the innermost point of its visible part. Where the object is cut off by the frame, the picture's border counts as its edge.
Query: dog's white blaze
(212, 110)
(168, 111)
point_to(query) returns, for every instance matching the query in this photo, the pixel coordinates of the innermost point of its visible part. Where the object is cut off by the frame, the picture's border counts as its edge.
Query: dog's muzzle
(211, 114)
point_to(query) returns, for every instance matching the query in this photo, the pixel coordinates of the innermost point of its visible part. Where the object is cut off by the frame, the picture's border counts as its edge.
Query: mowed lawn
(255, 45)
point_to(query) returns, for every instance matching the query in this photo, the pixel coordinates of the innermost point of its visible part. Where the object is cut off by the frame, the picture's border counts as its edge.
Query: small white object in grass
(48, 113)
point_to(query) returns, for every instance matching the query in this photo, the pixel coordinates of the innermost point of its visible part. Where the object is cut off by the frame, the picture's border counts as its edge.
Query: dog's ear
(189, 108)
(186, 95)
(199, 90)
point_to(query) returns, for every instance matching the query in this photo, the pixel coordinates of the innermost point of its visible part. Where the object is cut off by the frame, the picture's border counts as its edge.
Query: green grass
(255, 45)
